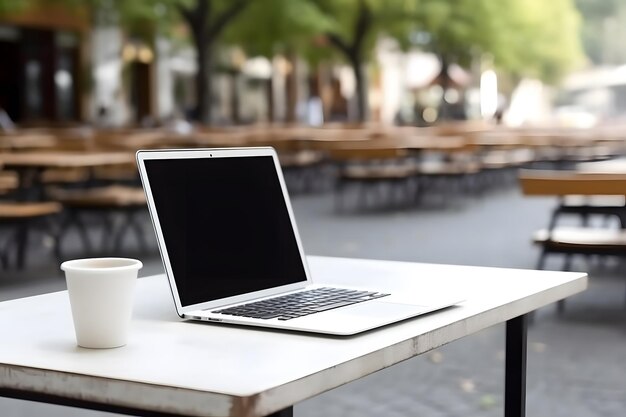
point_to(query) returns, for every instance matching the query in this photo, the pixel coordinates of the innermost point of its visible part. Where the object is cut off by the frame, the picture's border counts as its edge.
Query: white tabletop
(203, 369)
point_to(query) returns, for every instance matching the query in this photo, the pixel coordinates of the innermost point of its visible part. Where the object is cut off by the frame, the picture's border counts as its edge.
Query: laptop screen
(225, 225)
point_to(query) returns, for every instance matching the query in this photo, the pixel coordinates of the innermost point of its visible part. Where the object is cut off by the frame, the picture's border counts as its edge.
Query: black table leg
(287, 412)
(515, 368)
(21, 243)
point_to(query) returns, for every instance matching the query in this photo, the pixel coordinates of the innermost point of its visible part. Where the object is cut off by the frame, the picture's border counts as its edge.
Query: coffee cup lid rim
(75, 264)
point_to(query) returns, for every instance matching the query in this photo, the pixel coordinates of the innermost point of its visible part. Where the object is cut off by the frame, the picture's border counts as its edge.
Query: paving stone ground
(576, 363)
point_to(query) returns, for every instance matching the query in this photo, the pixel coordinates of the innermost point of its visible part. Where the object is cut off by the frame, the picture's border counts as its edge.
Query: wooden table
(171, 367)
(30, 166)
(27, 141)
(597, 188)
(64, 159)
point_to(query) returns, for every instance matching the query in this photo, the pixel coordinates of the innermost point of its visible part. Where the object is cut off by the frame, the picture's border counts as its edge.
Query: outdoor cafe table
(173, 367)
(27, 141)
(29, 166)
(416, 144)
(64, 159)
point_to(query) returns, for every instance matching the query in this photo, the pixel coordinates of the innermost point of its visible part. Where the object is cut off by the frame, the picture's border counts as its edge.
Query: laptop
(231, 250)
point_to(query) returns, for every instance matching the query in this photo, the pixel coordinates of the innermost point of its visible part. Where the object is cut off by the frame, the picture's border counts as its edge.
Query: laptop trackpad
(361, 316)
(381, 309)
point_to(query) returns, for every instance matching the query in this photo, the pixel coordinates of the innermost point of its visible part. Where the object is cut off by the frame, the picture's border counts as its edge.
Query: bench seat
(20, 216)
(111, 196)
(582, 240)
(105, 203)
(24, 210)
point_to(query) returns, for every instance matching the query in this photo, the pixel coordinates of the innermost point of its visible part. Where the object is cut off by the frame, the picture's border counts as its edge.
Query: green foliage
(268, 27)
(140, 18)
(459, 30)
(544, 38)
(11, 6)
(393, 18)
(524, 37)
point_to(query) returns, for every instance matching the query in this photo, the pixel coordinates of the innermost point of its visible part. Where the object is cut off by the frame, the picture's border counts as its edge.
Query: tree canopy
(523, 37)
(268, 27)
(318, 30)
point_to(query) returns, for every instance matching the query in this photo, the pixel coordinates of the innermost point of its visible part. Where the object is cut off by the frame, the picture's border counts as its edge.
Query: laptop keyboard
(299, 304)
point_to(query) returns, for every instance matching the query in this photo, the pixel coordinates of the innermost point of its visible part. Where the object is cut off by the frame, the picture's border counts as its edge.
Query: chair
(372, 168)
(302, 167)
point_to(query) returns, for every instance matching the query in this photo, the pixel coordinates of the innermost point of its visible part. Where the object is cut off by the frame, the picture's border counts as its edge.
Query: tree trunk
(234, 100)
(291, 86)
(269, 94)
(444, 77)
(207, 100)
(360, 93)
(201, 112)
(198, 21)
(444, 73)
(206, 29)
(204, 92)
(354, 52)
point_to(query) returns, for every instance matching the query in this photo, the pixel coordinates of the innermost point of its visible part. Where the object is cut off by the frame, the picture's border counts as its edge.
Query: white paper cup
(101, 292)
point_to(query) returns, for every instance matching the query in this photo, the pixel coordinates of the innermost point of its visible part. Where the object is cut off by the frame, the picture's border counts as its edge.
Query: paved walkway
(577, 363)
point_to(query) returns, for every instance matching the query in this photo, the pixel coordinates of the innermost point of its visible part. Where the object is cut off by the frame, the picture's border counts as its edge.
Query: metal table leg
(287, 412)
(515, 368)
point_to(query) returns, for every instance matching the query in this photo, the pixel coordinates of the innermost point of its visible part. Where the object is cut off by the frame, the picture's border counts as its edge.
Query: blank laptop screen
(225, 225)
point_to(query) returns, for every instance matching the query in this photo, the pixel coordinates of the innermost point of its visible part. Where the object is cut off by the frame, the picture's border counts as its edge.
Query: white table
(200, 369)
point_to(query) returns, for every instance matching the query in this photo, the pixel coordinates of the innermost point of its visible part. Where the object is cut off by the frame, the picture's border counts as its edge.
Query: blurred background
(445, 131)
(399, 62)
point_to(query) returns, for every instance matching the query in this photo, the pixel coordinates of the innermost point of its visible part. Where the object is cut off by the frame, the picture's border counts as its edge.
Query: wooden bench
(537, 182)
(64, 176)
(104, 203)
(9, 181)
(459, 174)
(20, 217)
(583, 240)
(302, 168)
(118, 174)
(582, 194)
(369, 167)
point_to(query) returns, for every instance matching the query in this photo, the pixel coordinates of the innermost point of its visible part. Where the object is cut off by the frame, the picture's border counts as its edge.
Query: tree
(355, 25)
(10, 6)
(455, 31)
(287, 29)
(523, 37)
(268, 27)
(206, 20)
(542, 39)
